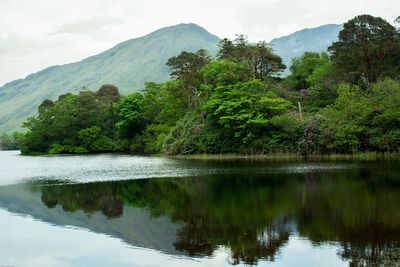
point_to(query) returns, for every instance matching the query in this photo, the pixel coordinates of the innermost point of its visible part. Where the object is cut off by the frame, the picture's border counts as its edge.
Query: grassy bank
(364, 156)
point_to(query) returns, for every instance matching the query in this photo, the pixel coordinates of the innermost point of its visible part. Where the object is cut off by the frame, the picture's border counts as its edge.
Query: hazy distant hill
(132, 63)
(128, 65)
(314, 39)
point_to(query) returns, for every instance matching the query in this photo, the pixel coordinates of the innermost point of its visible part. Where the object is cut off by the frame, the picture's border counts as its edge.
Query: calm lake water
(121, 210)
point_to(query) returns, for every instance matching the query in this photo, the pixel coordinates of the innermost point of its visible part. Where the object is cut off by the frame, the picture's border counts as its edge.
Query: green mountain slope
(132, 63)
(128, 65)
(314, 39)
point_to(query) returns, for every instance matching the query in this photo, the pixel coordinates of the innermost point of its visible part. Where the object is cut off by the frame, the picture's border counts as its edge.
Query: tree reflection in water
(255, 216)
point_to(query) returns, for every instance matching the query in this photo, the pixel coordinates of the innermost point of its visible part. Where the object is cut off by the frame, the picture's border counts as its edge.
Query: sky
(35, 34)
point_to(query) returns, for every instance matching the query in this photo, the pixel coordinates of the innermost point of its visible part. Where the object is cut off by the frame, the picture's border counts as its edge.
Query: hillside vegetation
(132, 63)
(236, 103)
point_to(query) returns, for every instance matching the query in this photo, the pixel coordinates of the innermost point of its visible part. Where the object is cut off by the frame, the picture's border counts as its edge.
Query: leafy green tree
(130, 117)
(266, 63)
(221, 73)
(185, 68)
(368, 48)
(94, 140)
(302, 69)
(347, 118)
(384, 127)
(184, 137)
(259, 59)
(323, 88)
(59, 124)
(244, 109)
(162, 107)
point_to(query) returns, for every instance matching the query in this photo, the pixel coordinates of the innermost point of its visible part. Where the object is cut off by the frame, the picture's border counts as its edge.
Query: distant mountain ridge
(310, 39)
(132, 63)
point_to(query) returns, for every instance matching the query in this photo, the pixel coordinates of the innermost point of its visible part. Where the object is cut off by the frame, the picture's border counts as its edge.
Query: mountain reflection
(255, 216)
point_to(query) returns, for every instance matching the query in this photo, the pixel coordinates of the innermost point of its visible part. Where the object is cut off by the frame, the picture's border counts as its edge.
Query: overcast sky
(35, 34)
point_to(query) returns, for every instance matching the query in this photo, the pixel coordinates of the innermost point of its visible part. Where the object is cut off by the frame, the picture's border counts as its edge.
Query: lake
(123, 210)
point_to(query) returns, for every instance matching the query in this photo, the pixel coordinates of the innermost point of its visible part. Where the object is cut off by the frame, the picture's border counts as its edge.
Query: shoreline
(364, 156)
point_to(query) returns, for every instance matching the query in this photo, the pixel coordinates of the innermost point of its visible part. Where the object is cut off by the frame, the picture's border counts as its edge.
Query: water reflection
(253, 216)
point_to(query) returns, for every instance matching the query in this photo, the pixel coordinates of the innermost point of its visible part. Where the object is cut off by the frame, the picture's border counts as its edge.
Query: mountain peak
(183, 28)
(127, 65)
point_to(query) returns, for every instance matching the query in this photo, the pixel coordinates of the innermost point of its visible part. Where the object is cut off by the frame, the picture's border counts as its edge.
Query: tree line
(343, 101)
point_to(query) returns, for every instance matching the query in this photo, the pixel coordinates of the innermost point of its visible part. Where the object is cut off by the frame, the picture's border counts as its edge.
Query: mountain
(132, 63)
(311, 39)
(137, 227)
(128, 65)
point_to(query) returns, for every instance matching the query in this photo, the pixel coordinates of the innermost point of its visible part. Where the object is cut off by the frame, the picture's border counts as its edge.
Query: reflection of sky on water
(26, 242)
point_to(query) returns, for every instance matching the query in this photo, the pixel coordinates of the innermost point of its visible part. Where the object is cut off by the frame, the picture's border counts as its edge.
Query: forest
(342, 101)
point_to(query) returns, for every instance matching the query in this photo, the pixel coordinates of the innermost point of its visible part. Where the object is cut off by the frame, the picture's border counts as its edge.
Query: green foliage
(66, 149)
(384, 127)
(347, 117)
(357, 121)
(185, 68)
(155, 136)
(223, 72)
(323, 90)
(258, 60)
(130, 116)
(286, 130)
(162, 107)
(184, 137)
(368, 49)
(303, 68)
(237, 103)
(317, 137)
(94, 140)
(74, 124)
(244, 109)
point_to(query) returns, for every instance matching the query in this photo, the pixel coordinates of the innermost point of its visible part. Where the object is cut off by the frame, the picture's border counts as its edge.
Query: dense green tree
(130, 116)
(323, 88)
(384, 126)
(184, 137)
(258, 59)
(368, 48)
(185, 68)
(74, 124)
(244, 109)
(303, 68)
(347, 118)
(221, 73)
(162, 107)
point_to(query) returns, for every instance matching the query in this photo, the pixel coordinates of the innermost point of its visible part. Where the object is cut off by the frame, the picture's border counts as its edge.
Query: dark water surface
(120, 210)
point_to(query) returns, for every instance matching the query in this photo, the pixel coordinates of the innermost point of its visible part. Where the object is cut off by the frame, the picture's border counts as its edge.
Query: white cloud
(37, 34)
